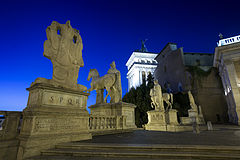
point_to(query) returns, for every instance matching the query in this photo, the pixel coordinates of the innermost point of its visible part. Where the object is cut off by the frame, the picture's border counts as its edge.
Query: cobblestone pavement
(222, 135)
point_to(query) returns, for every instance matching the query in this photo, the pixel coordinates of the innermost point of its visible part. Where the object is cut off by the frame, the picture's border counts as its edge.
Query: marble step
(138, 154)
(147, 147)
(141, 152)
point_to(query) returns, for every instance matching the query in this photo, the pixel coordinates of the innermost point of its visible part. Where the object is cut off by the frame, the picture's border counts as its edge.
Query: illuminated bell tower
(139, 65)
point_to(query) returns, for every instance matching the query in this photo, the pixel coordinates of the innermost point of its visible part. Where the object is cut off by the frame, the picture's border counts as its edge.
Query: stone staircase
(113, 151)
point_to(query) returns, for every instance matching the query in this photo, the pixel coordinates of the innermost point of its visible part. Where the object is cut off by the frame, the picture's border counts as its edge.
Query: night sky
(110, 29)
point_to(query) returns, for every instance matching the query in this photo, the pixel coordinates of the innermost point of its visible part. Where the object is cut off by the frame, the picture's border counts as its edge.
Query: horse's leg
(168, 105)
(152, 105)
(99, 96)
(171, 96)
(108, 90)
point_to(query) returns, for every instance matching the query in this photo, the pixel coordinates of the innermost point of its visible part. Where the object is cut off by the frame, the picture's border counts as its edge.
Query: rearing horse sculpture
(99, 83)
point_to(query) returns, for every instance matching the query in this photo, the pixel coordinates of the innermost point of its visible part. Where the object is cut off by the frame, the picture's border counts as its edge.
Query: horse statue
(168, 99)
(158, 98)
(100, 83)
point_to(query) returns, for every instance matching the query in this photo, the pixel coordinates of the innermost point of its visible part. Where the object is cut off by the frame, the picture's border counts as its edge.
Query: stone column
(140, 77)
(234, 88)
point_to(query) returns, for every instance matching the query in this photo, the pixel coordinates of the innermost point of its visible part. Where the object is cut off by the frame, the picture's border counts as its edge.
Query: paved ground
(222, 135)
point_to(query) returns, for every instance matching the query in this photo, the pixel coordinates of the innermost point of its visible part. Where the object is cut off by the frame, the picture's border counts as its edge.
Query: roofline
(165, 48)
(197, 53)
(145, 52)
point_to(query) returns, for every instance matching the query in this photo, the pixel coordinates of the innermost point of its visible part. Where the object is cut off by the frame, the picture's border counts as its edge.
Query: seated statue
(64, 48)
(111, 82)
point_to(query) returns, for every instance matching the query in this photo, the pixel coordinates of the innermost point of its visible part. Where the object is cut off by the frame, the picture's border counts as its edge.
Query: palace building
(139, 65)
(177, 71)
(227, 60)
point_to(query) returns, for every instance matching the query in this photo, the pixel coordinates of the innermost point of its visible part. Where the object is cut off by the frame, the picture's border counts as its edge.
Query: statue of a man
(116, 89)
(192, 102)
(143, 46)
(156, 97)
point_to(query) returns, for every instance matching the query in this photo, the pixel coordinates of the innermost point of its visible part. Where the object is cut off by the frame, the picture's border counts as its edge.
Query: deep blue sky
(110, 29)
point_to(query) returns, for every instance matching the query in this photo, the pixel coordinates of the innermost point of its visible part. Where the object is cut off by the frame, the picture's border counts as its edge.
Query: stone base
(156, 121)
(9, 149)
(179, 128)
(172, 117)
(53, 115)
(167, 121)
(186, 120)
(116, 109)
(155, 127)
(200, 120)
(195, 117)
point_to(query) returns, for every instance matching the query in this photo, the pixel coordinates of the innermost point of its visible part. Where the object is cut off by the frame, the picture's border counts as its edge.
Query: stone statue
(111, 82)
(156, 97)
(143, 46)
(168, 99)
(64, 48)
(192, 102)
(116, 89)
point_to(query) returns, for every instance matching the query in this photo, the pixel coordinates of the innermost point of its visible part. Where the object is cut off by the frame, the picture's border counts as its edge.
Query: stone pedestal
(172, 120)
(172, 114)
(195, 117)
(116, 109)
(185, 120)
(53, 115)
(156, 121)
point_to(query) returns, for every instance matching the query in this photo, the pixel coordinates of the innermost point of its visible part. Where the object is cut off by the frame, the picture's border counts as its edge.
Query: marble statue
(64, 48)
(192, 101)
(116, 89)
(168, 99)
(111, 82)
(156, 97)
(57, 107)
(143, 46)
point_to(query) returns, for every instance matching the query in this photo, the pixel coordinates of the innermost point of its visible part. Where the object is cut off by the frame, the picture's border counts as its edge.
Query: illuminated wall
(139, 66)
(227, 60)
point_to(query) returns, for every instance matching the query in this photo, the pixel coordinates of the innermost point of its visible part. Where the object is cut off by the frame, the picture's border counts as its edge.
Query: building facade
(139, 65)
(227, 60)
(174, 73)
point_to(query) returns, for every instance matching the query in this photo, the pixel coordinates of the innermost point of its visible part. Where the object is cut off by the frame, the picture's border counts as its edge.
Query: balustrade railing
(102, 123)
(10, 124)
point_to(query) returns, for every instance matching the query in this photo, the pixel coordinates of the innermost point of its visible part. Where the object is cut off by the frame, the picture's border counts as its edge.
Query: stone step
(147, 147)
(137, 151)
(130, 154)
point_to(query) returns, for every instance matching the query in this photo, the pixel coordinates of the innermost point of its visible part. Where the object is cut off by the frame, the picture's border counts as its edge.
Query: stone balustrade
(11, 124)
(10, 130)
(106, 123)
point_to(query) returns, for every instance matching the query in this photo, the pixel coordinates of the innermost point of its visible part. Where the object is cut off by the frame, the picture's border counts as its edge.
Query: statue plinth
(196, 117)
(172, 115)
(116, 109)
(156, 121)
(53, 115)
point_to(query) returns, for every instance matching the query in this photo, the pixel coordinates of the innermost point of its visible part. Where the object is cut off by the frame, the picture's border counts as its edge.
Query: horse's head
(92, 73)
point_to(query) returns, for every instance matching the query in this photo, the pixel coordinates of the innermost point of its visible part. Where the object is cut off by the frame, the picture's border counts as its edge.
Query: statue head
(155, 82)
(113, 65)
